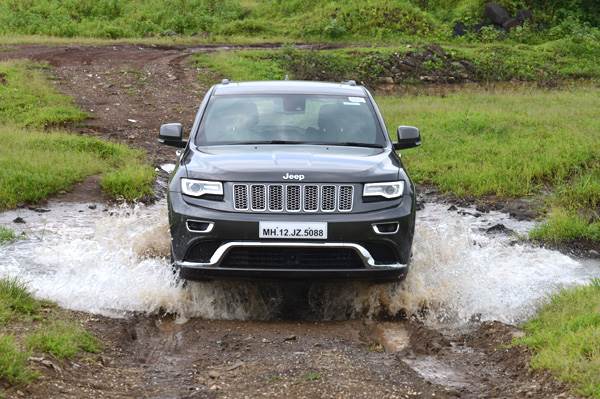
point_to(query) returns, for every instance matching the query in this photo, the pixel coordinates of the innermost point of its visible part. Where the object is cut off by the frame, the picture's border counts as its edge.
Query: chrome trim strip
(210, 227)
(362, 252)
(376, 228)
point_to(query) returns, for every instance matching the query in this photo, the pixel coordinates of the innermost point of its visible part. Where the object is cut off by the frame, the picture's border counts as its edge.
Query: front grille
(292, 258)
(293, 197)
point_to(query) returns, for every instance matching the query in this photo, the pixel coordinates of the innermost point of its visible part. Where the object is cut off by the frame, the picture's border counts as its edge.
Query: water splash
(115, 261)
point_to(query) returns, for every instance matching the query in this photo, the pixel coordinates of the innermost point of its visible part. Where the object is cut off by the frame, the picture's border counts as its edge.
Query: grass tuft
(131, 182)
(13, 362)
(565, 226)
(6, 235)
(63, 340)
(15, 300)
(565, 338)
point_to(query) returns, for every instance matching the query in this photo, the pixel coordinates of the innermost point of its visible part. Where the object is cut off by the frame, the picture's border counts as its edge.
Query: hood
(306, 163)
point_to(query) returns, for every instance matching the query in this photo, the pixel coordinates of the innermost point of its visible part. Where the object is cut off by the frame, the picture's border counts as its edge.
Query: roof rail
(349, 82)
(225, 82)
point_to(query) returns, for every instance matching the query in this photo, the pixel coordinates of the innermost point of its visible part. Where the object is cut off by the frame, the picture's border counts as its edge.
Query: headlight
(198, 188)
(392, 189)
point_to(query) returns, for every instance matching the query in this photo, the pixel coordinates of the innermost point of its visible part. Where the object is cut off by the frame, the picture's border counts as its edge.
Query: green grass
(15, 301)
(366, 20)
(565, 338)
(564, 226)
(63, 340)
(131, 182)
(27, 99)
(25, 329)
(57, 160)
(6, 235)
(504, 142)
(35, 164)
(13, 363)
(239, 65)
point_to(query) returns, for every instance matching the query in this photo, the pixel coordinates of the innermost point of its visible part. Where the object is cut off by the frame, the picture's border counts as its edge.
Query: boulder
(524, 15)
(460, 29)
(496, 13)
(511, 23)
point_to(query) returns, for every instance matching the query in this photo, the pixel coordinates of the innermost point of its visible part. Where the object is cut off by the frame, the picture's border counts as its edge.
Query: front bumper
(230, 231)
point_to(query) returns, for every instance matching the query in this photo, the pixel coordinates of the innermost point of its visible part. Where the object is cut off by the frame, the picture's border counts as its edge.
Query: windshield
(290, 119)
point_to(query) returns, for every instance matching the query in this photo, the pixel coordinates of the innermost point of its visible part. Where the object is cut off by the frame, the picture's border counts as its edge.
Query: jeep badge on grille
(289, 176)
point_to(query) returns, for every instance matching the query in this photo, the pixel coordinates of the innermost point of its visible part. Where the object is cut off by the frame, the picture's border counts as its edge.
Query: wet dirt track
(128, 92)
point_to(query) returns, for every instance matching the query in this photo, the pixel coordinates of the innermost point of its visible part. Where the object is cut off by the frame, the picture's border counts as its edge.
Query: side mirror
(172, 134)
(408, 137)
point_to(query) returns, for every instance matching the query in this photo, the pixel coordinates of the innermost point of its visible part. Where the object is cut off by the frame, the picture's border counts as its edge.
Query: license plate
(296, 230)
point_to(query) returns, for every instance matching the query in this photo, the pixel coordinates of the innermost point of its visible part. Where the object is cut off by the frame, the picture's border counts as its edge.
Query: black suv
(289, 179)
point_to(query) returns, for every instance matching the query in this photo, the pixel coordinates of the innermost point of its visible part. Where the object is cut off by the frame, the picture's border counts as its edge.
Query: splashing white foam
(113, 262)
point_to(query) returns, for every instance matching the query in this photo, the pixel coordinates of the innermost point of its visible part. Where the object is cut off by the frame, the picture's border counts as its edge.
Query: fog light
(386, 228)
(198, 226)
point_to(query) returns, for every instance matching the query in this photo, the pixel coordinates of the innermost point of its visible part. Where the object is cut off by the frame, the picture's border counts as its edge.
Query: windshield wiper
(356, 144)
(345, 143)
(270, 142)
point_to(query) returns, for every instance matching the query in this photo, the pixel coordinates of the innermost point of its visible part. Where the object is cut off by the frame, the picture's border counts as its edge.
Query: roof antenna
(286, 77)
(225, 82)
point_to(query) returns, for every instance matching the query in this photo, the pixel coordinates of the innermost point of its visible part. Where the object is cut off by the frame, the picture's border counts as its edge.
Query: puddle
(114, 261)
(433, 370)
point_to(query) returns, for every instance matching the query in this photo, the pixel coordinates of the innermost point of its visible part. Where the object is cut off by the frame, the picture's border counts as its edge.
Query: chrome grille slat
(293, 198)
(240, 197)
(259, 197)
(275, 198)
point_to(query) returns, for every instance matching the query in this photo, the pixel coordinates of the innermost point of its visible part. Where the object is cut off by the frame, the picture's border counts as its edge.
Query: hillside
(285, 20)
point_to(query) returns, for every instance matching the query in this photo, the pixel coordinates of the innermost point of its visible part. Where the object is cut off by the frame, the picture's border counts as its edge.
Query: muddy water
(114, 261)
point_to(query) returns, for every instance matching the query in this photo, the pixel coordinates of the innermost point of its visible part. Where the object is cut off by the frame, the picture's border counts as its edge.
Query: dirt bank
(160, 358)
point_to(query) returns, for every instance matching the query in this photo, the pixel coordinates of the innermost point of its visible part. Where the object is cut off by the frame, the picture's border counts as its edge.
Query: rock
(459, 29)
(437, 50)
(19, 220)
(477, 28)
(524, 15)
(386, 80)
(290, 338)
(213, 374)
(496, 13)
(38, 210)
(93, 206)
(52, 365)
(452, 208)
(511, 23)
(465, 213)
(234, 366)
(498, 228)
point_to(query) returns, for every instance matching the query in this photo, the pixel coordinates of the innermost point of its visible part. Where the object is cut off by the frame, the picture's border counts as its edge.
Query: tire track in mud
(129, 91)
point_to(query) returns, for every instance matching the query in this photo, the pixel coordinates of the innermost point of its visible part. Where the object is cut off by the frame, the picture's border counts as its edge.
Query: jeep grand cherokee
(289, 179)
